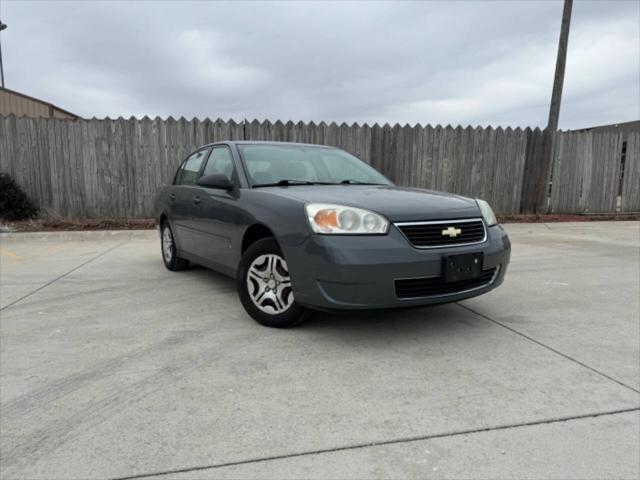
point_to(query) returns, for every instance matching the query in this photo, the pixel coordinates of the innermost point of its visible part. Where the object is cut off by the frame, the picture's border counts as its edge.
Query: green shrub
(14, 203)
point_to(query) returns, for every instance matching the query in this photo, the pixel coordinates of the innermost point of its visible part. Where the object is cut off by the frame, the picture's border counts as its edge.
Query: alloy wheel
(167, 244)
(269, 284)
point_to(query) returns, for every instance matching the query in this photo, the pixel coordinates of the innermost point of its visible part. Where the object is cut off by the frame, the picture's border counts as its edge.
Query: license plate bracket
(465, 266)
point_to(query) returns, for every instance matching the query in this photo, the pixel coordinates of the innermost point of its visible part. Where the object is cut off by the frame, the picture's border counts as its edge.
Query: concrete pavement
(111, 366)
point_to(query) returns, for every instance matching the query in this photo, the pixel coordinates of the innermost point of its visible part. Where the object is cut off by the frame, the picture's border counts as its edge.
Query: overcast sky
(464, 62)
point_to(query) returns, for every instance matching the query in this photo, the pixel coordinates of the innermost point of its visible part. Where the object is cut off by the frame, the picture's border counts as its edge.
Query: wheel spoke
(288, 299)
(261, 294)
(253, 273)
(258, 289)
(278, 303)
(279, 276)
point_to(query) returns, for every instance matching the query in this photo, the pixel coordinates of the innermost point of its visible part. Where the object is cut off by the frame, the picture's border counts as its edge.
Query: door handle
(196, 200)
(172, 197)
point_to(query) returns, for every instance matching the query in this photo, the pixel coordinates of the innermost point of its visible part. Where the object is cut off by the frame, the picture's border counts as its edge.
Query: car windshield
(305, 165)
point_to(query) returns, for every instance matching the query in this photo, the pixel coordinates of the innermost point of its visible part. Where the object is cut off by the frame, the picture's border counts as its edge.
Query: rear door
(181, 199)
(216, 212)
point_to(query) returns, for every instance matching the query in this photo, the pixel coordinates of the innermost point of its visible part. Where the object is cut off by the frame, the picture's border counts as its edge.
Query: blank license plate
(462, 267)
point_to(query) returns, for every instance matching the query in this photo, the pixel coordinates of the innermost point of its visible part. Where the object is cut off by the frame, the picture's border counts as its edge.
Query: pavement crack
(357, 446)
(51, 282)
(551, 349)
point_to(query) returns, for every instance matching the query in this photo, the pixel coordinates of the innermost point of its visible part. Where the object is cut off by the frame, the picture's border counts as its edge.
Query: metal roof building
(16, 103)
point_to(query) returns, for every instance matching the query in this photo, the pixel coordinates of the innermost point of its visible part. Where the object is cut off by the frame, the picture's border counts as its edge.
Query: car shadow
(394, 325)
(372, 326)
(219, 281)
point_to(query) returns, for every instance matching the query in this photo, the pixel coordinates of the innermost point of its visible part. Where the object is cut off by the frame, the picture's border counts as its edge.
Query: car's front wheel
(264, 286)
(169, 251)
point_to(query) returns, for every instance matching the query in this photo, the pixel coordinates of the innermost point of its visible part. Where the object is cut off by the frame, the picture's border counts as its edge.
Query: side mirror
(215, 180)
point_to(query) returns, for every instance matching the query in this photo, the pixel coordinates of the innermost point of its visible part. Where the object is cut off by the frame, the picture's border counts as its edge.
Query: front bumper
(359, 272)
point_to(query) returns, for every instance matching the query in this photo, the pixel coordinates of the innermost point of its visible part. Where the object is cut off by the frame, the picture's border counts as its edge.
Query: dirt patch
(53, 225)
(592, 217)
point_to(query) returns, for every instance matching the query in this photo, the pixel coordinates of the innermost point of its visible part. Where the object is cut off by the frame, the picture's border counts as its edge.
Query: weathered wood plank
(105, 168)
(630, 201)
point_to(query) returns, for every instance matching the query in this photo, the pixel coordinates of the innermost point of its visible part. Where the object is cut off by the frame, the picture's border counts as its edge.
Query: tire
(264, 286)
(169, 254)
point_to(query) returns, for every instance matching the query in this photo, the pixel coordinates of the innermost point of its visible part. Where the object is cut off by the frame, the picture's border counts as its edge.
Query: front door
(216, 211)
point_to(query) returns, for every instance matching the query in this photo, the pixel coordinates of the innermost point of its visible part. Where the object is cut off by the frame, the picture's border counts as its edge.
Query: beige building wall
(12, 103)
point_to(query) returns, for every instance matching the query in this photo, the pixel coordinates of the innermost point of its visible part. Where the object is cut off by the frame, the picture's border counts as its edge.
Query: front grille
(436, 286)
(430, 234)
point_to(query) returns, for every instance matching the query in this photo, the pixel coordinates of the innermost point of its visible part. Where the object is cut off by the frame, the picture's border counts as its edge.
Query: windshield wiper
(286, 182)
(356, 182)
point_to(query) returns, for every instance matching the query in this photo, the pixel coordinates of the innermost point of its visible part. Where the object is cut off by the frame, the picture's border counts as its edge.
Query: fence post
(537, 171)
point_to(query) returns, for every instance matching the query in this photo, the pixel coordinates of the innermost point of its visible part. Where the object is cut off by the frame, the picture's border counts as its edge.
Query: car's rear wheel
(264, 286)
(169, 252)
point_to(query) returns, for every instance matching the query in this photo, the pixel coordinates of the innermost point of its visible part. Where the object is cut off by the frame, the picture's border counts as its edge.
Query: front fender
(284, 217)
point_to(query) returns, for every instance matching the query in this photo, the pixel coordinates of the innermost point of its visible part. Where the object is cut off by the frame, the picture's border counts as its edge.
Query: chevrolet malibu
(312, 227)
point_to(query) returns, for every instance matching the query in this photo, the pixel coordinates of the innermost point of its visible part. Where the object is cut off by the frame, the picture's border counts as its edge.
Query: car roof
(260, 142)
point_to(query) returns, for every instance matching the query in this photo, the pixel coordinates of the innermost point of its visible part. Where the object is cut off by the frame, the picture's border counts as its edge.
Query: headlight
(487, 212)
(338, 219)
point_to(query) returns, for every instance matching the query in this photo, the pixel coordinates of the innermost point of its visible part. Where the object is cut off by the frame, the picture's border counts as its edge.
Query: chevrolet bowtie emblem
(451, 232)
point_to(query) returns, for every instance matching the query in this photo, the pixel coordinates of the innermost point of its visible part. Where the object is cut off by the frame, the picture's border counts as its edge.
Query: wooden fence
(111, 168)
(596, 172)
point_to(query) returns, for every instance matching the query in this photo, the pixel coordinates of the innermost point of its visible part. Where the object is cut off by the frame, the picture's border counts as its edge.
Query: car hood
(398, 204)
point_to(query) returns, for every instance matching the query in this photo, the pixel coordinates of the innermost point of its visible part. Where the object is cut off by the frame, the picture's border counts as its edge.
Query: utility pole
(538, 162)
(558, 80)
(2, 27)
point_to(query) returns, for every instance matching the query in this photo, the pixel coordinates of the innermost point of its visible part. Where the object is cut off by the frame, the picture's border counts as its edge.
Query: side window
(188, 173)
(220, 161)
